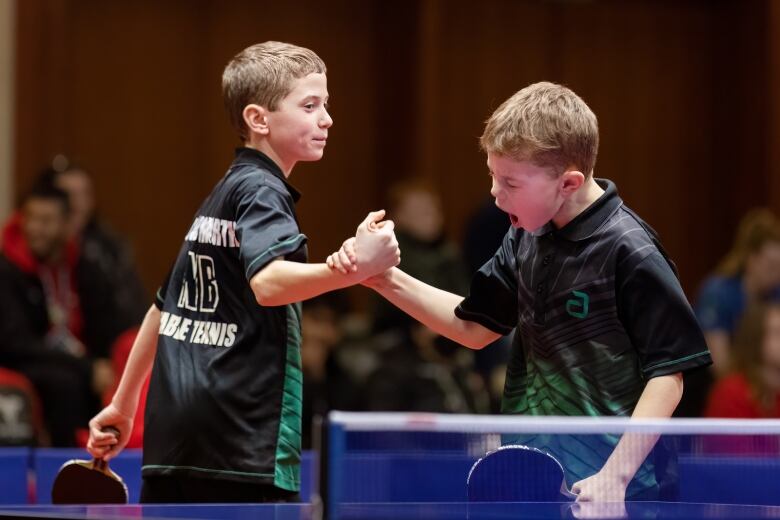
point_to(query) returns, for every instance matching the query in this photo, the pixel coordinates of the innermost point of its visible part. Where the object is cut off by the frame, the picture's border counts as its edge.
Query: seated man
(56, 317)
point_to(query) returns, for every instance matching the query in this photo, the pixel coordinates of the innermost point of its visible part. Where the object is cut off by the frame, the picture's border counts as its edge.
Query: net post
(337, 440)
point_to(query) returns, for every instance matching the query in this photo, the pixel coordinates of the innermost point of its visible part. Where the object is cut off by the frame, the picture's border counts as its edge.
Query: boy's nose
(494, 190)
(326, 121)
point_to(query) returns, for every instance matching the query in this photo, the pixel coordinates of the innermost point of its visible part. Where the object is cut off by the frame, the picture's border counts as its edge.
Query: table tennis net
(396, 457)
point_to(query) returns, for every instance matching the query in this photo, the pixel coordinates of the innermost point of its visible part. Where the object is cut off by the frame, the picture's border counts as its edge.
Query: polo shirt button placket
(539, 304)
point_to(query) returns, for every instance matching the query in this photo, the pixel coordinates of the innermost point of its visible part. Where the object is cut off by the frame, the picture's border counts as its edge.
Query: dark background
(685, 92)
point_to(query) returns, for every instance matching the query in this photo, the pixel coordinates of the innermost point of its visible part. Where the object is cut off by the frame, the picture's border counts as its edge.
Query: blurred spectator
(752, 389)
(425, 372)
(749, 273)
(485, 230)
(426, 253)
(327, 385)
(98, 243)
(415, 368)
(56, 314)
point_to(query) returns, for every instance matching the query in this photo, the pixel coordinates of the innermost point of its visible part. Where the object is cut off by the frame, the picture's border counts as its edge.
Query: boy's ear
(572, 180)
(255, 118)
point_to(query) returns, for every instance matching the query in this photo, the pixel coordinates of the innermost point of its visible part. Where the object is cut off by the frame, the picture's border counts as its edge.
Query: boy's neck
(581, 200)
(262, 145)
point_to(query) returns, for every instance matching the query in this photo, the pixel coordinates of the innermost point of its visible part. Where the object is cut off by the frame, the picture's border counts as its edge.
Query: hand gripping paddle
(88, 482)
(516, 473)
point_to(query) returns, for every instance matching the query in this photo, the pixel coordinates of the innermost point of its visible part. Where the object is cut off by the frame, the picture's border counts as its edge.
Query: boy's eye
(308, 106)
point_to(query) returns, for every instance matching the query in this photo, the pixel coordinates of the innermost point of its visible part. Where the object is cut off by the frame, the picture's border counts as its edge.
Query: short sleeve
(266, 228)
(492, 299)
(659, 320)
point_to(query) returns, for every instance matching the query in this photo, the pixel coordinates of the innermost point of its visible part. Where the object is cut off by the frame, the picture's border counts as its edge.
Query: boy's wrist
(380, 281)
(125, 405)
(617, 472)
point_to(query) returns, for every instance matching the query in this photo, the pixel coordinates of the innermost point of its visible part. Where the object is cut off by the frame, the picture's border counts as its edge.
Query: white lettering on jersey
(212, 333)
(232, 330)
(199, 289)
(213, 231)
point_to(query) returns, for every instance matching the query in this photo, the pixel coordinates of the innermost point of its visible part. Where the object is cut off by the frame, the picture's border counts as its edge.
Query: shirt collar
(586, 223)
(246, 155)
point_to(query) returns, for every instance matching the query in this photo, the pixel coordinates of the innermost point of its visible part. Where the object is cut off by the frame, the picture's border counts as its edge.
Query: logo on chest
(578, 305)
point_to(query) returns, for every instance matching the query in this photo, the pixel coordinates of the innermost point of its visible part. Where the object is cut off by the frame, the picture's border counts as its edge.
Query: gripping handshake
(371, 252)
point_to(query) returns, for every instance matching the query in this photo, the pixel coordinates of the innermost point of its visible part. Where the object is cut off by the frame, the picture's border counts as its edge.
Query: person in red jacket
(752, 389)
(57, 321)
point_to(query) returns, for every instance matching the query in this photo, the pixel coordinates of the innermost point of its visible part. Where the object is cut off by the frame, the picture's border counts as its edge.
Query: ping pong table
(399, 511)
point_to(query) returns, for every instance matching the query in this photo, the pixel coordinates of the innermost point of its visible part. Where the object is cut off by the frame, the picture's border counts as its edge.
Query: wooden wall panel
(645, 91)
(655, 119)
(7, 71)
(773, 134)
(132, 89)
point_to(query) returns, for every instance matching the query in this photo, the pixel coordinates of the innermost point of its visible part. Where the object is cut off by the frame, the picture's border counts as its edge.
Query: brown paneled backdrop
(685, 91)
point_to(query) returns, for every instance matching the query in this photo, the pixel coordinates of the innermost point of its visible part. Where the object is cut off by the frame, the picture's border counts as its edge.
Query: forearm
(139, 364)
(658, 400)
(432, 307)
(282, 282)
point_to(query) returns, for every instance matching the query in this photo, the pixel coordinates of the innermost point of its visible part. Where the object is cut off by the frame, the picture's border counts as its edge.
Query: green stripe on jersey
(288, 445)
(541, 387)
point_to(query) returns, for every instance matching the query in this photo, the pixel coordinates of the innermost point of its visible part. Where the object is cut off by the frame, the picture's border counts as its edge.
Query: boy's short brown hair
(546, 124)
(263, 74)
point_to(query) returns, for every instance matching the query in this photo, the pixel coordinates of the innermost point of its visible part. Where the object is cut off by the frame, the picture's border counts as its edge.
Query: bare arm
(431, 307)
(658, 400)
(282, 282)
(139, 363)
(121, 411)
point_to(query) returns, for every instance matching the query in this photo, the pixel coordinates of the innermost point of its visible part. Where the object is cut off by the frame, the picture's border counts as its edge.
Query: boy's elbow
(268, 287)
(476, 336)
(262, 299)
(263, 291)
(474, 343)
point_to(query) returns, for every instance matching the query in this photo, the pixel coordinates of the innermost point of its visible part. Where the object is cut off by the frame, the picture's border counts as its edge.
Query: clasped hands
(372, 251)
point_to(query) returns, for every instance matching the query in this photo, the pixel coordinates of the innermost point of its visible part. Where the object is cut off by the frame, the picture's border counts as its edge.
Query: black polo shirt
(598, 311)
(225, 395)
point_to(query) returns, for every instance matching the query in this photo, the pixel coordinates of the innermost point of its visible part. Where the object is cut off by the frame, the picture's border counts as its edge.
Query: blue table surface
(434, 511)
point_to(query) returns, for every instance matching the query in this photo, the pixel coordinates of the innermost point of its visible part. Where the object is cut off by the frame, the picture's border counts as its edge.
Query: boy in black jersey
(602, 325)
(223, 414)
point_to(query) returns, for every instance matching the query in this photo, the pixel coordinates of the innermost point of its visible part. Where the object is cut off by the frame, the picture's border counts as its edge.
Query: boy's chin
(314, 156)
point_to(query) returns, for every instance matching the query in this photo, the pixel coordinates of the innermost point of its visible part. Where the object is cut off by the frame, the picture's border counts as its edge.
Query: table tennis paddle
(516, 473)
(88, 482)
